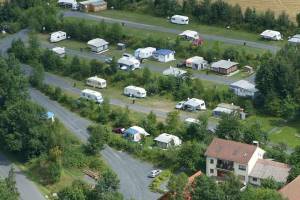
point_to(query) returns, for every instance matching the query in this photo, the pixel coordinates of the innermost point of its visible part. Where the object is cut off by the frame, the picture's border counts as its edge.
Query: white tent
(271, 35)
(189, 34)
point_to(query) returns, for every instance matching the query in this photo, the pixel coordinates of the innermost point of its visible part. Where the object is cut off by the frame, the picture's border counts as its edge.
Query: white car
(154, 173)
(179, 105)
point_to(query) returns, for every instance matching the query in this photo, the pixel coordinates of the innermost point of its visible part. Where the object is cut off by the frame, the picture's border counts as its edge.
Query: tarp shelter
(60, 51)
(135, 133)
(197, 63)
(50, 116)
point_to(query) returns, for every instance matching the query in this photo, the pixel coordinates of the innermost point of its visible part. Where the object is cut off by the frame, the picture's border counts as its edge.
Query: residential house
(164, 55)
(264, 169)
(243, 88)
(292, 190)
(93, 5)
(225, 156)
(295, 39)
(271, 35)
(60, 51)
(197, 63)
(98, 45)
(135, 133)
(225, 108)
(166, 141)
(173, 71)
(189, 35)
(224, 67)
(194, 104)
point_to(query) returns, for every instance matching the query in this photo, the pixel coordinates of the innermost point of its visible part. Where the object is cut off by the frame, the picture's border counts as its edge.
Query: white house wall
(211, 166)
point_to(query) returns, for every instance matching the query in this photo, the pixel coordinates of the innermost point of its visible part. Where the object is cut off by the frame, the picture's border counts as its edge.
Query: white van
(96, 82)
(58, 36)
(134, 91)
(91, 95)
(179, 19)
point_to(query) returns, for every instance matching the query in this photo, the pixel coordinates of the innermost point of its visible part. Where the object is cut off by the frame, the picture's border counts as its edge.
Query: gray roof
(270, 169)
(225, 64)
(244, 85)
(97, 42)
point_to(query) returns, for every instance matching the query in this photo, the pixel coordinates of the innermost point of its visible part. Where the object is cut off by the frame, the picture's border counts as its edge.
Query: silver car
(154, 173)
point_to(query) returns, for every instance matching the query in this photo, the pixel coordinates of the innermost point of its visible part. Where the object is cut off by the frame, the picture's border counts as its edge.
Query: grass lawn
(278, 130)
(220, 31)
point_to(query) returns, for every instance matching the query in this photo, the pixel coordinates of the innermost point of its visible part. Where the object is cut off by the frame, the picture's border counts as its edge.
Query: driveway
(212, 37)
(27, 189)
(131, 172)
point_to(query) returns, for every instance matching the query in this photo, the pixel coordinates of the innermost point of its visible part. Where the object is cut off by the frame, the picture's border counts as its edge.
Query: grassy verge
(163, 177)
(220, 31)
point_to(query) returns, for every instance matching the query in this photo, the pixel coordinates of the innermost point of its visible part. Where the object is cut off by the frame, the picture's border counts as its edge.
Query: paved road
(131, 172)
(212, 37)
(27, 189)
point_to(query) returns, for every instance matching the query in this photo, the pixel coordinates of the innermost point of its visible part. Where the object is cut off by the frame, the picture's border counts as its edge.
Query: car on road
(179, 105)
(119, 130)
(154, 173)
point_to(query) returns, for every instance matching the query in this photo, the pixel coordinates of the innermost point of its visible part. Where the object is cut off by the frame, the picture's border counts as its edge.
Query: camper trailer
(58, 36)
(179, 19)
(68, 3)
(134, 91)
(128, 62)
(142, 53)
(91, 95)
(96, 82)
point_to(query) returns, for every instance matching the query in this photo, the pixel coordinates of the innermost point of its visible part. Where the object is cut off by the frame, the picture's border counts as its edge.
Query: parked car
(154, 173)
(108, 60)
(119, 130)
(179, 105)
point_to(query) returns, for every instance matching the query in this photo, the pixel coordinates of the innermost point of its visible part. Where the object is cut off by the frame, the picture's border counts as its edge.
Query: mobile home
(134, 91)
(142, 53)
(98, 45)
(91, 95)
(164, 55)
(58, 36)
(179, 19)
(96, 82)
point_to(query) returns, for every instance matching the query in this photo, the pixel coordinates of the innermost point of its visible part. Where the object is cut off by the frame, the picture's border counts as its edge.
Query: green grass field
(220, 31)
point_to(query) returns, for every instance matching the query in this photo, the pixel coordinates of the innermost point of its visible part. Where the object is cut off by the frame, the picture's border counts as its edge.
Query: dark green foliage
(207, 189)
(98, 137)
(176, 186)
(229, 128)
(270, 183)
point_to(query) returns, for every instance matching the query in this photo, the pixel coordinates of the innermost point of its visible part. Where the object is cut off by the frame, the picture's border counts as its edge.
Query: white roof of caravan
(270, 33)
(96, 78)
(196, 59)
(166, 138)
(128, 60)
(174, 72)
(97, 42)
(295, 39)
(135, 88)
(189, 33)
(244, 85)
(88, 91)
(148, 49)
(180, 16)
(224, 64)
(58, 33)
(59, 50)
(67, 1)
(194, 102)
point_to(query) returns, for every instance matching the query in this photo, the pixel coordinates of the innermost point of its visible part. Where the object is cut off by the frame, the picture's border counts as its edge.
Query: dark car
(119, 130)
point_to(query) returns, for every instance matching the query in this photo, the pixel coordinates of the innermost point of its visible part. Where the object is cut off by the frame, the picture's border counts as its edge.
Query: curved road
(136, 25)
(131, 172)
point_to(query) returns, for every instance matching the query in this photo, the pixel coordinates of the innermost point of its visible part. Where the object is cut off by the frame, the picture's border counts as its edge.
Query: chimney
(256, 143)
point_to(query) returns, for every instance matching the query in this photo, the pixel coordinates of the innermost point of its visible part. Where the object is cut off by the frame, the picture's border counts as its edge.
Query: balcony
(225, 165)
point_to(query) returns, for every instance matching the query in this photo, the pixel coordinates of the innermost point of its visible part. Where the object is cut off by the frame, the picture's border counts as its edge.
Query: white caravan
(142, 53)
(134, 91)
(96, 82)
(271, 35)
(91, 95)
(129, 62)
(58, 36)
(179, 19)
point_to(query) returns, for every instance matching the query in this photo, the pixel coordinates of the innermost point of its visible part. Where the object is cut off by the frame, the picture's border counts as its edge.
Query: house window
(242, 167)
(254, 179)
(211, 161)
(211, 171)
